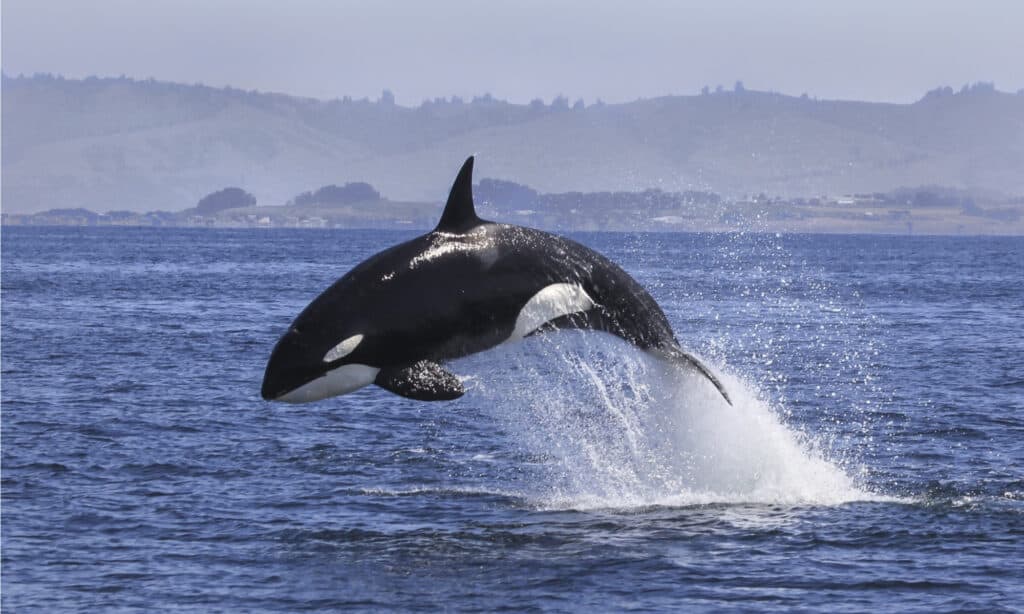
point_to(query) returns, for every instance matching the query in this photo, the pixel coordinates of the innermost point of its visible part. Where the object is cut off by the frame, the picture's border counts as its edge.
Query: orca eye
(344, 348)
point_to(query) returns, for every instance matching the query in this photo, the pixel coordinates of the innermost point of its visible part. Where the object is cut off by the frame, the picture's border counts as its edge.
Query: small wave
(964, 496)
(1012, 383)
(439, 490)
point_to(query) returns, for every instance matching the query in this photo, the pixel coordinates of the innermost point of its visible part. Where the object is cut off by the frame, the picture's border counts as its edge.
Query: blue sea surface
(873, 460)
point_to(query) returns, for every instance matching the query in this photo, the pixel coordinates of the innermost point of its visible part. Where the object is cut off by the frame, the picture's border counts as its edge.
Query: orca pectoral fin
(421, 381)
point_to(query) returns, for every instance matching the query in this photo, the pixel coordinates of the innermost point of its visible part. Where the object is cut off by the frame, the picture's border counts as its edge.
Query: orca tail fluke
(685, 359)
(600, 320)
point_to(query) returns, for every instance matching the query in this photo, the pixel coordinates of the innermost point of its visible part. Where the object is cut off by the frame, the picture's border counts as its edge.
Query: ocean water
(873, 460)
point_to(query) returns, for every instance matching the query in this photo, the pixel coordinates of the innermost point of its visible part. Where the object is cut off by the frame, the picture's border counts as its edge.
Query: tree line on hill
(496, 194)
(236, 198)
(348, 194)
(508, 198)
(510, 201)
(387, 96)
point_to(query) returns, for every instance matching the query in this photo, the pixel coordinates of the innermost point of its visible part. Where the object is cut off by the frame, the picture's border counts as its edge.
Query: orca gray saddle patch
(421, 381)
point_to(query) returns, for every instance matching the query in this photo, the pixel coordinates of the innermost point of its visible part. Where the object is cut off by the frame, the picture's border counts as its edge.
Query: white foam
(622, 430)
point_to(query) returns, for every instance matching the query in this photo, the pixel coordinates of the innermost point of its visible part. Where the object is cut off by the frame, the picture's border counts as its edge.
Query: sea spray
(619, 429)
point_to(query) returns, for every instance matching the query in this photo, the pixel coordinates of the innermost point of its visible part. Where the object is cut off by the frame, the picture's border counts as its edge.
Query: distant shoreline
(925, 210)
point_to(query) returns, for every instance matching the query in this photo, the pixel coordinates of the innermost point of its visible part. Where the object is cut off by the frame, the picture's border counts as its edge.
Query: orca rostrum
(465, 287)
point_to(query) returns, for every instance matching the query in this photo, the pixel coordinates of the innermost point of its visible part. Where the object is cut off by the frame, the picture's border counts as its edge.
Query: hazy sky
(890, 50)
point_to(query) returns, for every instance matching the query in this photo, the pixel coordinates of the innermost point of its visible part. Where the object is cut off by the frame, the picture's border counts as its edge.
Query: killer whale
(465, 287)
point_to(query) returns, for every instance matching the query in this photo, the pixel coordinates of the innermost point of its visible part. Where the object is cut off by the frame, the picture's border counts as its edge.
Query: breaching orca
(467, 286)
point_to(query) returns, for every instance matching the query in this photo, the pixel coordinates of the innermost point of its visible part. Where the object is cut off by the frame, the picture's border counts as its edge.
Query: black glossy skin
(450, 294)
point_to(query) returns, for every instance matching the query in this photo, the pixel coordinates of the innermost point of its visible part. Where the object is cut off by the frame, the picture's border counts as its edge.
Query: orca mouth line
(321, 385)
(274, 394)
(274, 387)
(281, 392)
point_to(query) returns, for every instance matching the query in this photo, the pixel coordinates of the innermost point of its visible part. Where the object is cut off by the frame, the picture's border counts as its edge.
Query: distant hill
(106, 144)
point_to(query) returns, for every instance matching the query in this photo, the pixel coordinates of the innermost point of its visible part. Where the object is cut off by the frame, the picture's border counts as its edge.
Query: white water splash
(617, 429)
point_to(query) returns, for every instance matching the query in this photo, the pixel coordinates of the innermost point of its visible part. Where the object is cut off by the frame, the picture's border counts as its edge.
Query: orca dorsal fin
(459, 214)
